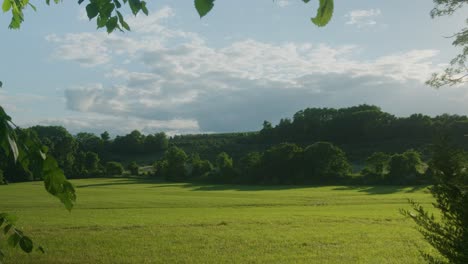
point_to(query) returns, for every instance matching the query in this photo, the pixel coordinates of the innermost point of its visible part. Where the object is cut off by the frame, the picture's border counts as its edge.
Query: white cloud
(183, 84)
(283, 3)
(120, 125)
(362, 18)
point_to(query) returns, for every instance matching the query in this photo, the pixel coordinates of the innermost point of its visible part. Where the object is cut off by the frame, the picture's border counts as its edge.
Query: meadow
(118, 220)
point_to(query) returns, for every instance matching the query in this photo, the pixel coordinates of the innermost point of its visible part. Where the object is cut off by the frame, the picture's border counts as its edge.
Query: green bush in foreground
(449, 234)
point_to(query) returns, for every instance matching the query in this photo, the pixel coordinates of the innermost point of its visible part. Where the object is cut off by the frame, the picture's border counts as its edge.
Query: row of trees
(287, 163)
(83, 155)
(363, 123)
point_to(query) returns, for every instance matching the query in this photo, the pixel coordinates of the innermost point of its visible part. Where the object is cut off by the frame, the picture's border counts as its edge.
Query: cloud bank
(174, 80)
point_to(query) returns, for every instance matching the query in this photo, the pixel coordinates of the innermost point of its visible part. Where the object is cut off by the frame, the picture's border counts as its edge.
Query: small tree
(114, 168)
(175, 168)
(376, 167)
(200, 168)
(133, 168)
(325, 162)
(449, 233)
(404, 168)
(225, 168)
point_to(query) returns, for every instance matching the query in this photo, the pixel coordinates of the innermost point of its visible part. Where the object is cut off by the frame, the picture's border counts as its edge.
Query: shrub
(114, 168)
(325, 163)
(448, 233)
(133, 168)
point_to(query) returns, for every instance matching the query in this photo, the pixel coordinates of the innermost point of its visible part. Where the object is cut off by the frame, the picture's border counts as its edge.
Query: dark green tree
(224, 168)
(249, 168)
(405, 168)
(376, 168)
(281, 164)
(133, 168)
(114, 168)
(324, 163)
(175, 166)
(448, 234)
(200, 168)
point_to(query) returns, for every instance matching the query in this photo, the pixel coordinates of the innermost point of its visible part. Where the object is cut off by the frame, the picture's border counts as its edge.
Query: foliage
(23, 148)
(199, 168)
(108, 12)
(457, 72)
(249, 168)
(16, 237)
(175, 166)
(133, 168)
(114, 168)
(376, 167)
(324, 162)
(281, 164)
(404, 168)
(449, 233)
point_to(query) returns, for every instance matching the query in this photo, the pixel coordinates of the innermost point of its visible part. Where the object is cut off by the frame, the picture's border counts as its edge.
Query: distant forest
(359, 141)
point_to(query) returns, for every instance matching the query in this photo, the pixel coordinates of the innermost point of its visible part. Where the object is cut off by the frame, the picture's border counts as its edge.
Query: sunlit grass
(132, 221)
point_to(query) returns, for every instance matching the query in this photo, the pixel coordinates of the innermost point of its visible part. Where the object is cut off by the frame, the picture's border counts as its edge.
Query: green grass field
(132, 221)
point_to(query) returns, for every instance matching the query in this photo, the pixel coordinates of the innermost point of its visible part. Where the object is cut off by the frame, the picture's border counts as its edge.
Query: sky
(245, 62)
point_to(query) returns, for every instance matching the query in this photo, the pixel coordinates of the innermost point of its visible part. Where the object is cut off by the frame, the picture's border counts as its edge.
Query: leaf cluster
(108, 12)
(448, 234)
(15, 237)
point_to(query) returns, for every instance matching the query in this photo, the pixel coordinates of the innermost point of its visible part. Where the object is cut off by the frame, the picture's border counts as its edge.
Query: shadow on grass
(197, 186)
(225, 187)
(121, 181)
(382, 189)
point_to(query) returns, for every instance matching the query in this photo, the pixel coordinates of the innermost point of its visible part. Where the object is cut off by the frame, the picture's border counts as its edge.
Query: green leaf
(14, 147)
(144, 8)
(92, 10)
(14, 239)
(7, 228)
(122, 21)
(56, 183)
(33, 7)
(135, 6)
(26, 244)
(324, 13)
(204, 6)
(6, 7)
(41, 249)
(101, 21)
(111, 24)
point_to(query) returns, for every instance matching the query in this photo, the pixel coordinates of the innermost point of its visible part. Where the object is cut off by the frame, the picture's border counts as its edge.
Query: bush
(114, 168)
(448, 234)
(133, 168)
(325, 163)
(175, 166)
(405, 168)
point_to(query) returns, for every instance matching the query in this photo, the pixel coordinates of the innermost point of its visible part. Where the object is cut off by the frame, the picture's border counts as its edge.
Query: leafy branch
(107, 12)
(28, 153)
(15, 236)
(457, 72)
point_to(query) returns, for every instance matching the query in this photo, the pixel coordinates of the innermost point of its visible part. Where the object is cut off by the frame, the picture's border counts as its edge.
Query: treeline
(85, 154)
(359, 131)
(287, 163)
(364, 128)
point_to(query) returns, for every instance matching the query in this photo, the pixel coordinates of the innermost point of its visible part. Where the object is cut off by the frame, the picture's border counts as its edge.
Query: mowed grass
(134, 221)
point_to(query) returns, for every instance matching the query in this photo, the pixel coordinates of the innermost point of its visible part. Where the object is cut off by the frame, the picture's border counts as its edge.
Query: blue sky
(245, 62)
